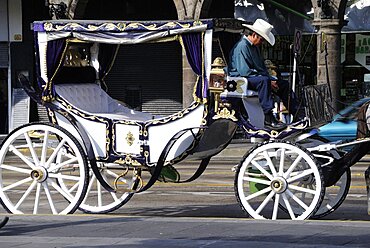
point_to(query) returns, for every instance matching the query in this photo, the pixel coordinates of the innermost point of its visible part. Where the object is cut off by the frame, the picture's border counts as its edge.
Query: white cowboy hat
(262, 28)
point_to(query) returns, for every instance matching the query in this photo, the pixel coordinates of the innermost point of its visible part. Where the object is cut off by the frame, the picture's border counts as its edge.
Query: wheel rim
(336, 194)
(98, 200)
(272, 175)
(29, 171)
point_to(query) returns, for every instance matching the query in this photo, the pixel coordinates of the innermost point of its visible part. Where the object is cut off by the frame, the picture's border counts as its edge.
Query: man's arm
(240, 64)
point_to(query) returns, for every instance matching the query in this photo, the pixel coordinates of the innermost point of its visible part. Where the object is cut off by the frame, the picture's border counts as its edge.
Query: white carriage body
(92, 106)
(94, 109)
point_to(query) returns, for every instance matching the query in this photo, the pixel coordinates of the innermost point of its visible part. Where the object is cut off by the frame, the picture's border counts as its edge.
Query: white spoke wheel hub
(279, 185)
(273, 175)
(40, 174)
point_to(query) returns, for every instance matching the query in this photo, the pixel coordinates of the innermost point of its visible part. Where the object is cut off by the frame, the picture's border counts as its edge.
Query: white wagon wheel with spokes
(270, 176)
(29, 170)
(98, 200)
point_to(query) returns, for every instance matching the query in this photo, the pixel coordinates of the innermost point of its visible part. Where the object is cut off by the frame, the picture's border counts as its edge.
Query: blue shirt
(246, 60)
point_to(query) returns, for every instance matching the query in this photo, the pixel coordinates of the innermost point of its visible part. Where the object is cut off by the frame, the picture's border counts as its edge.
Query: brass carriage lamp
(217, 79)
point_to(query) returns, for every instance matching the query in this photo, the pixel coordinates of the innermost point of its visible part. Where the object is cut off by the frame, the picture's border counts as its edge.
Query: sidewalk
(125, 231)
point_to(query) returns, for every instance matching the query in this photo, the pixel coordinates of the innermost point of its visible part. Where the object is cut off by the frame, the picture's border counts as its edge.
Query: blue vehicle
(344, 124)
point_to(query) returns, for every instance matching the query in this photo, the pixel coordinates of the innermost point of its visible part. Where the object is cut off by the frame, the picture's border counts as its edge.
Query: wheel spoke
(48, 196)
(292, 166)
(329, 197)
(13, 168)
(113, 194)
(24, 196)
(100, 201)
(67, 177)
(73, 187)
(55, 152)
(44, 147)
(58, 166)
(92, 180)
(32, 150)
(281, 164)
(287, 204)
(258, 193)
(297, 200)
(256, 180)
(276, 207)
(328, 206)
(260, 168)
(16, 184)
(302, 189)
(14, 150)
(300, 175)
(68, 196)
(264, 203)
(37, 199)
(270, 164)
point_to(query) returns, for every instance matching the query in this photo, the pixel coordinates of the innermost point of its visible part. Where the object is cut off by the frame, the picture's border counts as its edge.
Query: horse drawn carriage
(95, 152)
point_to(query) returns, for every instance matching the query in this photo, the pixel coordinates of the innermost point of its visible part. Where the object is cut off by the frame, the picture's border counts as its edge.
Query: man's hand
(274, 85)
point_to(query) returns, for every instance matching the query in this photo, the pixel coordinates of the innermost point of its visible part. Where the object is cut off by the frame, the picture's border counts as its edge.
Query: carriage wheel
(336, 194)
(97, 199)
(29, 170)
(272, 174)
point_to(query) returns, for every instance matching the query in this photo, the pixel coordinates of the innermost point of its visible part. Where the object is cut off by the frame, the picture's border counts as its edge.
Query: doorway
(3, 100)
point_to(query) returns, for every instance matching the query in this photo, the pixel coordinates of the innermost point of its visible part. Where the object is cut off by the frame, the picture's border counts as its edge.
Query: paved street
(203, 213)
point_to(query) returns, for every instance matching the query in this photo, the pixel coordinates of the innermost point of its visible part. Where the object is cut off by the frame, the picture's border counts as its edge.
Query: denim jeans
(262, 84)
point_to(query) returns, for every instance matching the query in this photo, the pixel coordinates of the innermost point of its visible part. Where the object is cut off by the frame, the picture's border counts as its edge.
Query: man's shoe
(272, 123)
(299, 116)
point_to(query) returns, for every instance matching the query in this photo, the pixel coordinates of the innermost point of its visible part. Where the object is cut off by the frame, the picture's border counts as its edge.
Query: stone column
(332, 30)
(188, 10)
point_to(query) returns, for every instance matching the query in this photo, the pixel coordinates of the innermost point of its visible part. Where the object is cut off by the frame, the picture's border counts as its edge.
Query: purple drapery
(193, 46)
(106, 57)
(54, 55)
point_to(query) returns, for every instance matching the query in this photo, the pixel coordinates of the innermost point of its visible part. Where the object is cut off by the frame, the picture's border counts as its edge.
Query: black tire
(343, 183)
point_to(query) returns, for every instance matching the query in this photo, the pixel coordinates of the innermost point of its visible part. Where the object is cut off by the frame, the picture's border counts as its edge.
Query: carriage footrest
(367, 179)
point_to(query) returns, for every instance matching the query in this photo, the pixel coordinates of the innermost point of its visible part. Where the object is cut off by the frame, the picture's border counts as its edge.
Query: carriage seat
(91, 98)
(249, 98)
(241, 91)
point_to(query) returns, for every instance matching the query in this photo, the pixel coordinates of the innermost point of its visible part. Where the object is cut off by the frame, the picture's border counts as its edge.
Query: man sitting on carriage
(246, 61)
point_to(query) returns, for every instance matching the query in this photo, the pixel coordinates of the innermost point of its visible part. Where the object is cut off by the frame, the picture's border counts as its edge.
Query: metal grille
(4, 55)
(317, 104)
(150, 71)
(21, 107)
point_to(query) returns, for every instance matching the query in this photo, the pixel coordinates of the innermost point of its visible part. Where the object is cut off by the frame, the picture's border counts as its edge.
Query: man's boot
(272, 123)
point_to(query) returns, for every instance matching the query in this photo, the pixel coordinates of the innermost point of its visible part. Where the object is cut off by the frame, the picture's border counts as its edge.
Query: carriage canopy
(53, 37)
